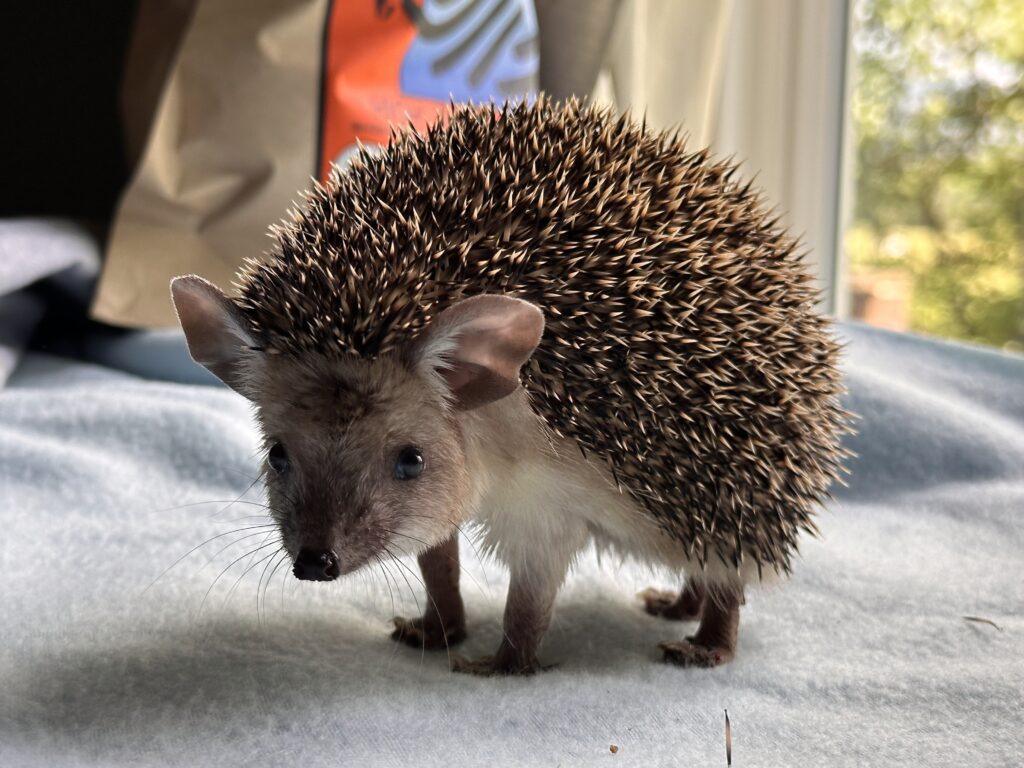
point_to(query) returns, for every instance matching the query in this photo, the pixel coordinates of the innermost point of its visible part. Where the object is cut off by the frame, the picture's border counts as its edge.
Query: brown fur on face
(342, 423)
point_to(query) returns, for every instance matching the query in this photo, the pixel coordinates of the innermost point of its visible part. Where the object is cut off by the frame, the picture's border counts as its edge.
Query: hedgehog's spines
(668, 289)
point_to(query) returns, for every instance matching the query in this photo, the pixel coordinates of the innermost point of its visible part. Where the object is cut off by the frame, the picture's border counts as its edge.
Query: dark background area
(60, 67)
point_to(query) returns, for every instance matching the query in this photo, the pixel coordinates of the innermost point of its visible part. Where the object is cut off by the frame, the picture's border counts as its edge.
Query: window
(936, 240)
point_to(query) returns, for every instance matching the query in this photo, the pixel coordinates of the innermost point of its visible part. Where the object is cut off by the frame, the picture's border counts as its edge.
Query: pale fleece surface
(863, 659)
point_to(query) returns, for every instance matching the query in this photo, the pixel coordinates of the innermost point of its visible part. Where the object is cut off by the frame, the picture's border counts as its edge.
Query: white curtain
(759, 79)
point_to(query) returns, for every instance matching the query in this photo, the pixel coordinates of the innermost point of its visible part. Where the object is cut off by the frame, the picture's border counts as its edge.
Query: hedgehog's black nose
(314, 565)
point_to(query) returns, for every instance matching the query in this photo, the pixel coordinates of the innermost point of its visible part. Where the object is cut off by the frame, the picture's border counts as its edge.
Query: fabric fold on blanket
(32, 250)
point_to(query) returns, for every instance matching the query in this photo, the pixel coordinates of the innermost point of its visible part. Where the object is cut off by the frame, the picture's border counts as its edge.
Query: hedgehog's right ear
(214, 331)
(475, 348)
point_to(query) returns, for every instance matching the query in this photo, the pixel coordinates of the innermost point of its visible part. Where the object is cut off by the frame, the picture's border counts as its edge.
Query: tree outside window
(937, 239)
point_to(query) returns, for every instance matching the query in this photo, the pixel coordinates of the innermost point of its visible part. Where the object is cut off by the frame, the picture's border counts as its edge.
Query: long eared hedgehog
(555, 323)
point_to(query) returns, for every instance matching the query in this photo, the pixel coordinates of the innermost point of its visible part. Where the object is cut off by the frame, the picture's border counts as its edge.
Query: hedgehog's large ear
(215, 331)
(476, 347)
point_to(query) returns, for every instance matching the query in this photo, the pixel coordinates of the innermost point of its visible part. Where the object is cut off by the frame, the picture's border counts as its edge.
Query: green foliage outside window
(938, 116)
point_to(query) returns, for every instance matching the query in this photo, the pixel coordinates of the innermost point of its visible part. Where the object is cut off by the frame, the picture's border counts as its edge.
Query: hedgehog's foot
(500, 664)
(682, 606)
(690, 654)
(432, 636)
(715, 641)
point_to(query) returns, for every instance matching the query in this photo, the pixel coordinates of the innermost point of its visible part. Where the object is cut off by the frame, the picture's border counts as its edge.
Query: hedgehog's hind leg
(715, 641)
(443, 623)
(682, 606)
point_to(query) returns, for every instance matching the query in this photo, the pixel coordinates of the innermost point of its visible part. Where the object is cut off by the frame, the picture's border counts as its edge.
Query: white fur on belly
(538, 509)
(544, 512)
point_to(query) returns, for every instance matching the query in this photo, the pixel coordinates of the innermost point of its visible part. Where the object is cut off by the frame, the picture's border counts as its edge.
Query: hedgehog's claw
(690, 654)
(432, 637)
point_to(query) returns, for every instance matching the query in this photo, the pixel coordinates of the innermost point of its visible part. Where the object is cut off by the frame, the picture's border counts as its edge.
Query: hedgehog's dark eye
(409, 464)
(278, 459)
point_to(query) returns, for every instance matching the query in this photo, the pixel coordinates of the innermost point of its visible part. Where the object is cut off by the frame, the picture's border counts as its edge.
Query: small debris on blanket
(728, 739)
(980, 620)
(613, 748)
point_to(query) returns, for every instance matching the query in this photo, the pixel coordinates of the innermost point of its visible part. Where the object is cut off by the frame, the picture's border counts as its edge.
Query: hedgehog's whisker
(416, 576)
(199, 546)
(245, 572)
(284, 580)
(387, 581)
(449, 558)
(226, 569)
(259, 584)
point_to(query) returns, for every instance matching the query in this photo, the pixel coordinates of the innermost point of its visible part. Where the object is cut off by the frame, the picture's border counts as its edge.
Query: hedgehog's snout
(316, 565)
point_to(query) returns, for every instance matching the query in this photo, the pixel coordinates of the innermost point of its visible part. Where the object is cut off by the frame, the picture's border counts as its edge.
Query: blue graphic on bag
(479, 50)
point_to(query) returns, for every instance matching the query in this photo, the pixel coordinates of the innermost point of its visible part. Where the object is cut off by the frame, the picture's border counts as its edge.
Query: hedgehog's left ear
(477, 347)
(215, 331)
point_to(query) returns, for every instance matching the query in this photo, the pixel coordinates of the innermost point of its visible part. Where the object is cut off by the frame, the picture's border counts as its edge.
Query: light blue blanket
(864, 658)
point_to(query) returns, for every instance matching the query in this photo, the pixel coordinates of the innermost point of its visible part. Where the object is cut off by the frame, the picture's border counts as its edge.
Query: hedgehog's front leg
(539, 557)
(528, 611)
(715, 641)
(443, 623)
